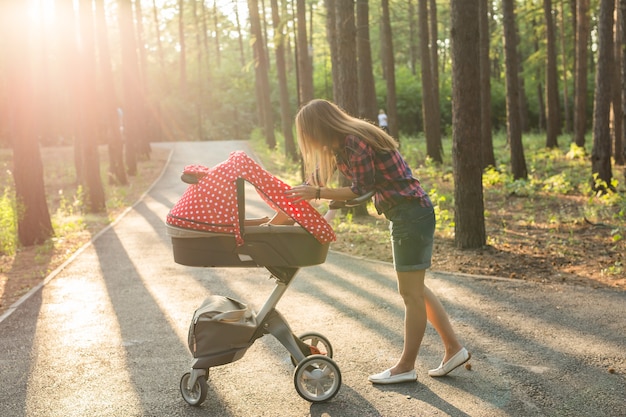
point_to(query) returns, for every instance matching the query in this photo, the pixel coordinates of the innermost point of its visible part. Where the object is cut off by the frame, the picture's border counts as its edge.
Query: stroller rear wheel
(317, 378)
(193, 395)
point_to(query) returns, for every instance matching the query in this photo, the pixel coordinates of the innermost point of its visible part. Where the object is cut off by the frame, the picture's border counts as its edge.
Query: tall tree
(389, 69)
(433, 42)
(305, 68)
(413, 54)
(487, 155)
(131, 86)
(564, 60)
(347, 83)
(601, 153)
(261, 74)
(514, 133)
(108, 103)
(94, 192)
(285, 108)
(469, 220)
(616, 99)
(367, 89)
(553, 118)
(580, 73)
(434, 148)
(622, 12)
(23, 72)
(183, 47)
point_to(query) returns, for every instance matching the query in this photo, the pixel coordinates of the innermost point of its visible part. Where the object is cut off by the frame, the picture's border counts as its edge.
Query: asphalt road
(107, 335)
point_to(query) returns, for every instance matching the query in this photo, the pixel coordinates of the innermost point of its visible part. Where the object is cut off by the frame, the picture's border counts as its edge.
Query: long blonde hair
(322, 127)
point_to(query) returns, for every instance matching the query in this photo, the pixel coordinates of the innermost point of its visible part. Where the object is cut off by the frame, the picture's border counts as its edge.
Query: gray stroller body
(222, 328)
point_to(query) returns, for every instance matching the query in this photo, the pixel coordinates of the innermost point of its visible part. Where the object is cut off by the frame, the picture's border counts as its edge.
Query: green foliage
(8, 223)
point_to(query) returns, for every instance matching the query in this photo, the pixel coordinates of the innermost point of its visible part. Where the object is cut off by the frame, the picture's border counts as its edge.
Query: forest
(122, 74)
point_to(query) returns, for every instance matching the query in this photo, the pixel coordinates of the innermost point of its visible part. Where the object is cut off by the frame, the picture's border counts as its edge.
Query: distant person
(331, 140)
(382, 121)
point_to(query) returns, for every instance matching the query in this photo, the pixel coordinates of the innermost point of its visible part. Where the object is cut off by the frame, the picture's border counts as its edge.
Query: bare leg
(439, 319)
(411, 288)
(421, 303)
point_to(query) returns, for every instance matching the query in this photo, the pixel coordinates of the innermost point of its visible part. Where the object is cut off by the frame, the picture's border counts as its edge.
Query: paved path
(107, 336)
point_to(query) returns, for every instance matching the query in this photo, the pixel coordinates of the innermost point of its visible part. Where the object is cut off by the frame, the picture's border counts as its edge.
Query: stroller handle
(337, 204)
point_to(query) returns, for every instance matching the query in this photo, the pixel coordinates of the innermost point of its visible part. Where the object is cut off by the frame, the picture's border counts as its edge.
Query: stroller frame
(282, 250)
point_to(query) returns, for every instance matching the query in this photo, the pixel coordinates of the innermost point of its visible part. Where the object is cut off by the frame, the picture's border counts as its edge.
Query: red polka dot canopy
(211, 204)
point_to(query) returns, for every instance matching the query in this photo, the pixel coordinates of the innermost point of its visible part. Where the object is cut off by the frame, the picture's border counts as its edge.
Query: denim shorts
(412, 229)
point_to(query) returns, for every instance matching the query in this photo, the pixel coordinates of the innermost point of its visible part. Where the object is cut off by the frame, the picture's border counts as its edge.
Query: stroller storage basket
(222, 327)
(270, 245)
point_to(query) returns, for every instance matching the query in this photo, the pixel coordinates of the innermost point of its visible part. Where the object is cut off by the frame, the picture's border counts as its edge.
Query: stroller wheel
(193, 395)
(318, 343)
(317, 378)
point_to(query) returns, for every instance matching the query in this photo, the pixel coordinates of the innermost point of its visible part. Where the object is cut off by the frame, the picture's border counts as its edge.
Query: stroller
(222, 328)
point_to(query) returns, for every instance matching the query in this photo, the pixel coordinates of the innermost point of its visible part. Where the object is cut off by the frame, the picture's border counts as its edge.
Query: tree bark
(622, 11)
(22, 83)
(469, 222)
(368, 108)
(108, 107)
(94, 192)
(431, 122)
(601, 153)
(580, 73)
(518, 162)
(347, 83)
(389, 71)
(305, 69)
(261, 75)
(553, 118)
(487, 154)
(618, 110)
(131, 84)
(285, 109)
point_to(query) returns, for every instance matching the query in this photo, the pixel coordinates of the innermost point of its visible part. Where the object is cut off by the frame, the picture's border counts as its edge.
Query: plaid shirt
(385, 172)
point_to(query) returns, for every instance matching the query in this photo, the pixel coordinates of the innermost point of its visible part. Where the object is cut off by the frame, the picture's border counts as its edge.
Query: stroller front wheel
(194, 395)
(317, 378)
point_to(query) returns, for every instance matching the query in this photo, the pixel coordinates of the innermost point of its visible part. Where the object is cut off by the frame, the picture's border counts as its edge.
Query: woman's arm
(310, 192)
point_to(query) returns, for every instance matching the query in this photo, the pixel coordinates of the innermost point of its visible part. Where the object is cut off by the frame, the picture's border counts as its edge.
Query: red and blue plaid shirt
(385, 172)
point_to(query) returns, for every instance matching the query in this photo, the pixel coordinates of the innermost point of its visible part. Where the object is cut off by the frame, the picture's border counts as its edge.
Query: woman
(332, 140)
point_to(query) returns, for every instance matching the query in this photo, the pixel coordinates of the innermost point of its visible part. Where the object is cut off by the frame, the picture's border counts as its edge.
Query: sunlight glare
(42, 10)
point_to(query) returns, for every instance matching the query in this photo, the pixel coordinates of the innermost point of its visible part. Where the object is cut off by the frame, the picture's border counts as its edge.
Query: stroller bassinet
(208, 228)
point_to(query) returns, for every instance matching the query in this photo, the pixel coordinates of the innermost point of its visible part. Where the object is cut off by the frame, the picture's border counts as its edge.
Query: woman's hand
(303, 193)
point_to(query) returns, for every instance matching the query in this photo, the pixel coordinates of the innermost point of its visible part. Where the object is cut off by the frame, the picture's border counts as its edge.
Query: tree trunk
(601, 153)
(431, 125)
(22, 83)
(108, 108)
(469, 222)
(566, 104)
(580, 73)
(305, 70)
(487, 154)
(518, 162)
(261, 74)
(368, 108)
(389, 71)
(413, 48)
(285, 109)
(94, 192)
(618, 110)
(622, 11)
(347, 83)
(434, 64)
(183, 47)
(553, 118)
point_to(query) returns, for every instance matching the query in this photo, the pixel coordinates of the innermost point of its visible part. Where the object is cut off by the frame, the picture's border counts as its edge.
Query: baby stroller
(222, 328)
